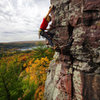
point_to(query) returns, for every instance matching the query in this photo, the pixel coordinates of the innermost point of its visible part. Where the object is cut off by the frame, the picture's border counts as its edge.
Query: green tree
(10, 82)
(42, 52)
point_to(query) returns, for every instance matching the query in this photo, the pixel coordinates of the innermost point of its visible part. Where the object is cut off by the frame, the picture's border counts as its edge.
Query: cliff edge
(74, 74)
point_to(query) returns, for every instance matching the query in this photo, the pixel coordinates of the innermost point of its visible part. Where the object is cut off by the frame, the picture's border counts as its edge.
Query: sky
(20, 19)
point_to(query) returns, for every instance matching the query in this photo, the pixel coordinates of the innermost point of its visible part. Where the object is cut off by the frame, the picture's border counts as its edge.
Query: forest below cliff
(23, 74)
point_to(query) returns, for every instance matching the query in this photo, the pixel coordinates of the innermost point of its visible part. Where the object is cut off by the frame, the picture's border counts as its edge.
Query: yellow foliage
(24, 65)
(37, 72)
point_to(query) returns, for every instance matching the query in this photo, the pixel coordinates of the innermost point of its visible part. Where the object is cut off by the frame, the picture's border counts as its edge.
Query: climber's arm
(49, 11)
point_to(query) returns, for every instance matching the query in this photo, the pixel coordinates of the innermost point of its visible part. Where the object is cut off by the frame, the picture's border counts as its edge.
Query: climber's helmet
(48, 18)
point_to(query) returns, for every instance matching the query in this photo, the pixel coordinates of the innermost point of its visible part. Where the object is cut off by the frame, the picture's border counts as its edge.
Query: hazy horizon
(20, 19)
(23, 41)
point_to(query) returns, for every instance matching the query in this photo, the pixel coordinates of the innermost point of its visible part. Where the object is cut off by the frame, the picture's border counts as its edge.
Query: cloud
(20, 19)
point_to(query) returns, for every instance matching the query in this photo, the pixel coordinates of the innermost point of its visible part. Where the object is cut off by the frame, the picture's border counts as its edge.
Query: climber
(43, 27)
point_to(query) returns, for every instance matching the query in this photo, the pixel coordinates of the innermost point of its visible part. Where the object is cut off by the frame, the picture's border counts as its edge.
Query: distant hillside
(20, 44)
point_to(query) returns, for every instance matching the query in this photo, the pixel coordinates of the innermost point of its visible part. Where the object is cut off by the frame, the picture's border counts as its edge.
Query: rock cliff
(74, 74)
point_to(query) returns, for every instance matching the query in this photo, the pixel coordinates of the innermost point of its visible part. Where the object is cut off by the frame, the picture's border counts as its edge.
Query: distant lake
(27, 48)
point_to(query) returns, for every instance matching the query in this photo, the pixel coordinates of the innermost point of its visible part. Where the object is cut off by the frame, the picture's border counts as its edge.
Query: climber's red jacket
(44, 24)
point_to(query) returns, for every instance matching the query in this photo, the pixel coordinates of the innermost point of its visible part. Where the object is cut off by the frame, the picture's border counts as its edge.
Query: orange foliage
(39, 93)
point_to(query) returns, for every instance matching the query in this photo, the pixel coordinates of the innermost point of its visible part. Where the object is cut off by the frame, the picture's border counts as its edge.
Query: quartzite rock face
(75, 73)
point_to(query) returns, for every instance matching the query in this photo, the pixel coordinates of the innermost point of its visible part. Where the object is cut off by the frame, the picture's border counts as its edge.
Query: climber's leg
(50, 34)
(44, 34)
